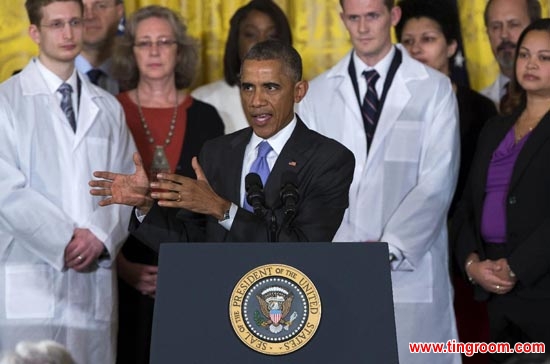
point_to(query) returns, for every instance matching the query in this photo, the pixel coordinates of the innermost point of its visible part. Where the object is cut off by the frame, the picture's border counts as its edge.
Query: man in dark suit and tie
(320, 168)
(101, 22)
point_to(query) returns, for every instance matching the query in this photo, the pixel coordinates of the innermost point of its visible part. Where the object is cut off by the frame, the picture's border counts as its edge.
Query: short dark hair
(231, 59)
(389, 4)
(444, 14)
(34, 8)
(533, 10)
(124, 61)
(437, 10)
(276, 50)
(518, 96)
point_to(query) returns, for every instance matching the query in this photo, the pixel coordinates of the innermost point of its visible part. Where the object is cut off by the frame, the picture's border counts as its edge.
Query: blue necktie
(260, 166)
(67, 103)
(370, 105)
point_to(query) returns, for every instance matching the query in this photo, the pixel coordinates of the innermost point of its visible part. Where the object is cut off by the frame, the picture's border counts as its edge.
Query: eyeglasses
(60, 24)
(161, 44)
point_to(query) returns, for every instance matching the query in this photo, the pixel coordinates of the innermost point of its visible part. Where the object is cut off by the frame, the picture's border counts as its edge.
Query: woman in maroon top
(155, 60)
(503, 221)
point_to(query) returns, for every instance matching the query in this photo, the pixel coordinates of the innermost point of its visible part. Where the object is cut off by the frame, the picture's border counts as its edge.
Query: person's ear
(300, 90)
(395, 15)
(119, 11)
(452, 48)
(34, 33)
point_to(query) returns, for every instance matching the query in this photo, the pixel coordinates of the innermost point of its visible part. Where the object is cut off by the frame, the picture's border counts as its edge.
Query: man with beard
(504, 21)
(101, 19)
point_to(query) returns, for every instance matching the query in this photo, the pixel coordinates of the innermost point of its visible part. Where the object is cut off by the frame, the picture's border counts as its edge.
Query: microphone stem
(273, 228)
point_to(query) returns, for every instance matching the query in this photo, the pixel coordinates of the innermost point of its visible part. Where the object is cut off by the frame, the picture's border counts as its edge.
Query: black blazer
(527, 207)
(203, 123)
(474, 110)
(324, 170)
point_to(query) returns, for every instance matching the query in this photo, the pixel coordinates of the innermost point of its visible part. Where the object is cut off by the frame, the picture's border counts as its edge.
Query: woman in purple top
(503, 220)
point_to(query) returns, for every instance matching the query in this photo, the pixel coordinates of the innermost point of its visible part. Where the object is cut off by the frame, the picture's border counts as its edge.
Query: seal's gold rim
(312, 300)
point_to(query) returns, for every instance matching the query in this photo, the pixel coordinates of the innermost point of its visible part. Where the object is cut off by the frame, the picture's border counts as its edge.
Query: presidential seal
(275, 309)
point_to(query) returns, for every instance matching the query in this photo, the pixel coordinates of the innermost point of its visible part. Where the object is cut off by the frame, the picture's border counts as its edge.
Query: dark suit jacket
(474, 110)
(527, 207)
(324, 170)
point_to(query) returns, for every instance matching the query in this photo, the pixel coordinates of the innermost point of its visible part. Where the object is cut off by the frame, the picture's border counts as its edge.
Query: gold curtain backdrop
(318, 34)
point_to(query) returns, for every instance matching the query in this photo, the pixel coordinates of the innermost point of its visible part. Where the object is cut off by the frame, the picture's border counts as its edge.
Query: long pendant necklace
(159, 163)
(146, 128)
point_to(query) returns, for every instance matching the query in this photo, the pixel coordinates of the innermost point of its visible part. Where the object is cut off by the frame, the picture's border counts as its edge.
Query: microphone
(255, 193)
(289, 193)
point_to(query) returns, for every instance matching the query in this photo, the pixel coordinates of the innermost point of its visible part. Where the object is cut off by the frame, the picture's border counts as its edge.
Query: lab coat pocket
(404, 142)
(104, 295)
(416, 285)
(29, 292)
(97, 152)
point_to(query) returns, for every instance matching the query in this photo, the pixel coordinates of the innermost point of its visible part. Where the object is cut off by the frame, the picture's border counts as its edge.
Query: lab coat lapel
(396, 100)
(32, 85)
(88, 110)
(347, 94)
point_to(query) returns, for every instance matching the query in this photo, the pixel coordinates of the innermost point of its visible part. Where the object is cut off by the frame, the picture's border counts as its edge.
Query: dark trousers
(514, 319)
(135, 311)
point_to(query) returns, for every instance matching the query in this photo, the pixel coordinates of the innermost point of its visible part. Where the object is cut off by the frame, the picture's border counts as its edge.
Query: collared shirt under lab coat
(44, 195)
(401, 193)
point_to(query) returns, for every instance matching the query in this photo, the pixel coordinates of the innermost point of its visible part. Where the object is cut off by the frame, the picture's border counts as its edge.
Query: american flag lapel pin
(292, 163)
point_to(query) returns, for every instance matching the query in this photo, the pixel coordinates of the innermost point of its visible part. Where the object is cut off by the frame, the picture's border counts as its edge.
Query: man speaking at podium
(295, 180)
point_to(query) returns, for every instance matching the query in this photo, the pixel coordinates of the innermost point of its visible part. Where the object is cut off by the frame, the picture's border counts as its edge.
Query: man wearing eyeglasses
(101, 21)
(56, 245)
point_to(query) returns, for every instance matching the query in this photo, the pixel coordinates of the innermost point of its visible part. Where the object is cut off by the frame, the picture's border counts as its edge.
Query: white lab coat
(401, 193)
(44, 196)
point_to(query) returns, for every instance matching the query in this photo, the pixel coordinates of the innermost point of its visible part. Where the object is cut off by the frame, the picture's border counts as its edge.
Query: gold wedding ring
(80, 258)
(179, 197)
(498, 287)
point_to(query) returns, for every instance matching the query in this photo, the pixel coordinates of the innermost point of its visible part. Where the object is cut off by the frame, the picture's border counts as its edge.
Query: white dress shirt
(277, 143)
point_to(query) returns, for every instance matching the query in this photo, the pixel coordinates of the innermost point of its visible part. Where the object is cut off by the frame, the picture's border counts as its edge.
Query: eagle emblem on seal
(275, 305)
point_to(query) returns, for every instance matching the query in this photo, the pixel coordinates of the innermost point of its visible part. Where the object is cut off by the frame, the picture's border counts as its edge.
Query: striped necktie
(370, 105)
(67, 103)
